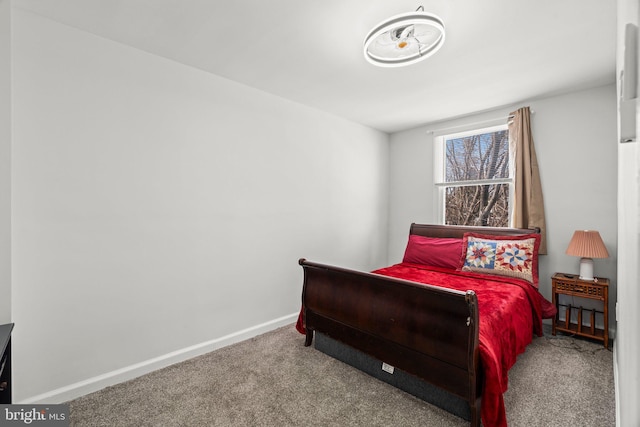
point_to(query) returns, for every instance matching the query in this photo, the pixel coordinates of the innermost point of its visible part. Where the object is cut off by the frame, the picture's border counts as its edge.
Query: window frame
(439, 168)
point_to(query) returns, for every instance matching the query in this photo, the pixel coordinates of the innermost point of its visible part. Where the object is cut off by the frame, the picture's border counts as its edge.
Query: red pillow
(434, 251)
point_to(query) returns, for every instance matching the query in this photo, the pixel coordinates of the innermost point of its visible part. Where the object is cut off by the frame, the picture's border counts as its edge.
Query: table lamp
(587, 244)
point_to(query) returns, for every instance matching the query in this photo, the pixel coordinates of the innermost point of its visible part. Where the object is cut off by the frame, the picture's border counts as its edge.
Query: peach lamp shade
(587, 244)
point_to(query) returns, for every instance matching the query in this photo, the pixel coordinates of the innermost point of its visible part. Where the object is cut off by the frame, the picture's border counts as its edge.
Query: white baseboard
(615, 384)
(90, 385)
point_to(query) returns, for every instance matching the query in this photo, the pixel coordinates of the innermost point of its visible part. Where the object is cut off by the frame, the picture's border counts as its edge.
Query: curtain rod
(471, 125)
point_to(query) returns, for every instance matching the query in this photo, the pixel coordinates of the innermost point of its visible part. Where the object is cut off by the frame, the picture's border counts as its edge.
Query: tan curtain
(529, 205)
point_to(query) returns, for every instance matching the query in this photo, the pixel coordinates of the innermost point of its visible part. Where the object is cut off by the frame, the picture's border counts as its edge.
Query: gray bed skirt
(399, 379)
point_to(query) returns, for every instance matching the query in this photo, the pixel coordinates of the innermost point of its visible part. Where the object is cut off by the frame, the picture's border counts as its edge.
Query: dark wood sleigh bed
(429, 332)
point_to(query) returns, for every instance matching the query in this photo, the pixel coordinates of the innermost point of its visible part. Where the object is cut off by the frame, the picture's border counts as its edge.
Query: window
(473, 177)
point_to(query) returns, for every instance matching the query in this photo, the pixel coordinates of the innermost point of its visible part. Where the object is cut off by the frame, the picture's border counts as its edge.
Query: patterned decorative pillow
(513, 256)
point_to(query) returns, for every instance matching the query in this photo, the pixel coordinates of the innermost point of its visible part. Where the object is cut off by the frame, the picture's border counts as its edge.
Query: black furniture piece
(5, 363)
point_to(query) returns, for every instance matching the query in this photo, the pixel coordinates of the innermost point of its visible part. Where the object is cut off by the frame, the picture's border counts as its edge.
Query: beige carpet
(273, 380)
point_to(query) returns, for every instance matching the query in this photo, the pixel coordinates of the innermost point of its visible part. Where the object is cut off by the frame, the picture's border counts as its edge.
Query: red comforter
(510, 311)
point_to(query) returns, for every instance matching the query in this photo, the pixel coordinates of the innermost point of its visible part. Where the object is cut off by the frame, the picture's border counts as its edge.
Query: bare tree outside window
(476, 179)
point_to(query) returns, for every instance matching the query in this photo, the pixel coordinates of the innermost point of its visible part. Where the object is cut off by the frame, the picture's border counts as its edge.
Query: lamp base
(586, 269)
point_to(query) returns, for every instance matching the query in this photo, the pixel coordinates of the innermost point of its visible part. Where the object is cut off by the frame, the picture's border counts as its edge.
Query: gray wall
(160, 211)
(5, 161)
(575, 139)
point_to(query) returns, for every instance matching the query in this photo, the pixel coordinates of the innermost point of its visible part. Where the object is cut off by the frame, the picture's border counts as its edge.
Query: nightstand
(598, 289)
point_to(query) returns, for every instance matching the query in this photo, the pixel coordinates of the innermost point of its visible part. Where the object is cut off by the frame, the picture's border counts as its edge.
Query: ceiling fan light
(404, 39)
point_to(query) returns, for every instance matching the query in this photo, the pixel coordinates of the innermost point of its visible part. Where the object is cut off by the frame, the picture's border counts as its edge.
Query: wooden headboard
(435, 230)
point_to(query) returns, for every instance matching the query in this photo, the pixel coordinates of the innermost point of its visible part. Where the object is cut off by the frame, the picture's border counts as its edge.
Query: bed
(453, 315)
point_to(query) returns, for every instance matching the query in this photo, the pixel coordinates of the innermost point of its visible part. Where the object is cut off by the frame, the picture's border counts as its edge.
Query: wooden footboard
(427, 331)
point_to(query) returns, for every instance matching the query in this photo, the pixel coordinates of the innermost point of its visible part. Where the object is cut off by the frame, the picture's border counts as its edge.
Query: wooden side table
(598, 289)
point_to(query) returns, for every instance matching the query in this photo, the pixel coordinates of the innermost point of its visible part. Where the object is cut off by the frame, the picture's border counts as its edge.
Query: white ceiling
(496, 53)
